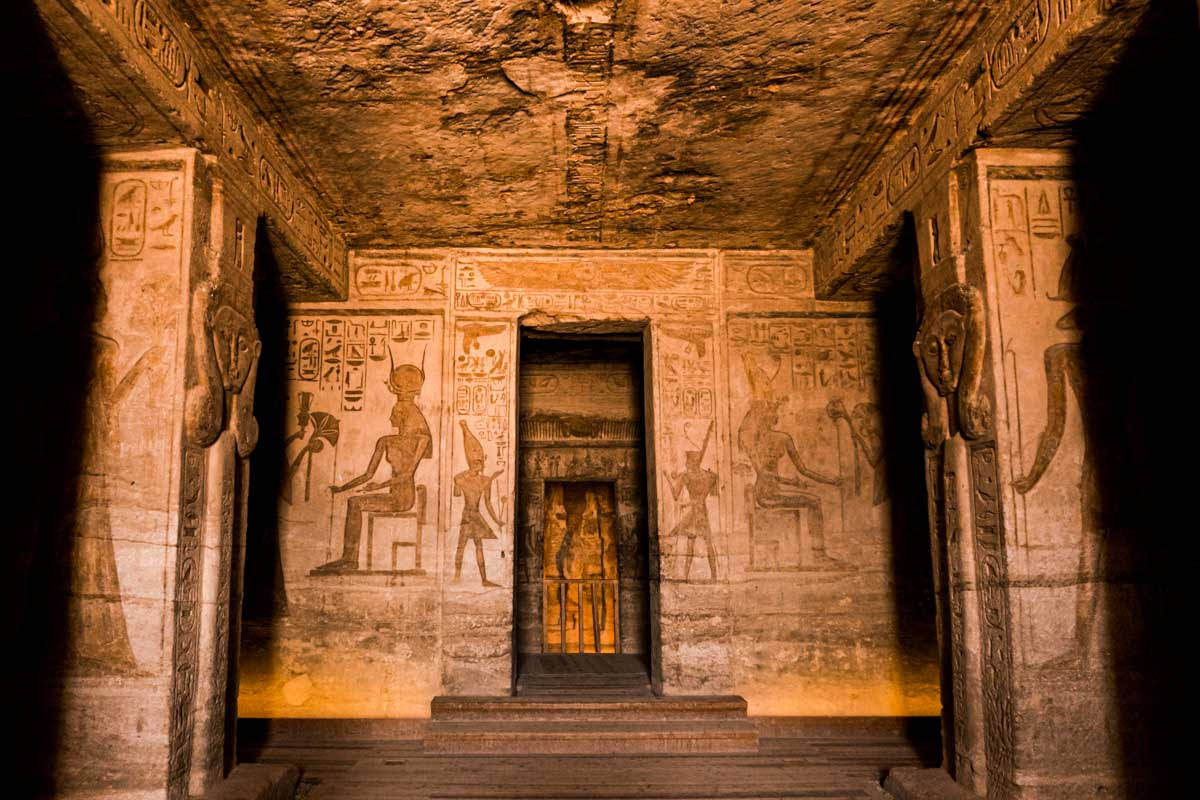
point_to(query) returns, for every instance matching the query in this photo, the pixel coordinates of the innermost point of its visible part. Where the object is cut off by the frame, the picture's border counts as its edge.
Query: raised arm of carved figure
(204, 404)
(1058, 359)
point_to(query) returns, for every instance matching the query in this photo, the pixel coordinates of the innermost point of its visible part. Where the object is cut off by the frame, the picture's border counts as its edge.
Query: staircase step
(540, 737)
(588, 707)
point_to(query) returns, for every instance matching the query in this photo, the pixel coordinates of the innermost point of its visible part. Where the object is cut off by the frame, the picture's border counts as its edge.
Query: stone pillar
(174, 358)
(1005, 425)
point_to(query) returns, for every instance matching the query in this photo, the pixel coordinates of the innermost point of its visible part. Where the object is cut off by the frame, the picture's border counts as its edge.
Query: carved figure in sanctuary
(473, 485)
(404, 450)
(700, 484)
(99, 636)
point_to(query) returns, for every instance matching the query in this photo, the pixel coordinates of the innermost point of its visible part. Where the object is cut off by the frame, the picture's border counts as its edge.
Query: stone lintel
(189, 101)
(1004, 77)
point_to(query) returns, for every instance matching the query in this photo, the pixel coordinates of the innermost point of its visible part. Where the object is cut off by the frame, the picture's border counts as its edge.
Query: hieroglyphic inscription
(366, 406)
(991, 570)
(186, 648)
(401, 279)
(687, 396)
(969, 97)
(628, 283)
(215, 112)
(764, 281)
(341, 354)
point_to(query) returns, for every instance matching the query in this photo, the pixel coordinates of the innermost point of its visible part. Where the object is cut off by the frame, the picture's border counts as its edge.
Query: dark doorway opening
(582, 593)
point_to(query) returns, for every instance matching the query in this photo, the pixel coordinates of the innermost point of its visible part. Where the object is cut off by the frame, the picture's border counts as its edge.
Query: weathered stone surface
(256, 782)
(912, 783)
(627, 123)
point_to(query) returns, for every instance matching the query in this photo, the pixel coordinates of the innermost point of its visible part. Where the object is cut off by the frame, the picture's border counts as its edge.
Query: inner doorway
(582, 594)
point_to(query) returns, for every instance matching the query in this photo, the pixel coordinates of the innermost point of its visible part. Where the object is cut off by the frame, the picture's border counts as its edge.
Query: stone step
(543, 737)
(589, 707)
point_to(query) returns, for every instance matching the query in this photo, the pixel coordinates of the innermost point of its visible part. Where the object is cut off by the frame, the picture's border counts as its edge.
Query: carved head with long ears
(949, 350)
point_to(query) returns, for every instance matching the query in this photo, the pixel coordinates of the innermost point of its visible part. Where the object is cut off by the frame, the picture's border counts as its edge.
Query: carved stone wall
(815, 617)
(805, 633)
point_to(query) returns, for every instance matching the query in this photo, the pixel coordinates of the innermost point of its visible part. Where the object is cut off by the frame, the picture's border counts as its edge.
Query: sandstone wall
(801, 613)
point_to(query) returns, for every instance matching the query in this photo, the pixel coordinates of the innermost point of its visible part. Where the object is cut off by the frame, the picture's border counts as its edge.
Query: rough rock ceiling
(638, 123)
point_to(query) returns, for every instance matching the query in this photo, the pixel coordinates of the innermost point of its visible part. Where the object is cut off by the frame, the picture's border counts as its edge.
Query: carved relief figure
(404, 450)
(949, 348)
(99, 636)
(867, 433)
(322, 429)
(1063, 364)
(766, 445)
(473, 485)
(700, 484)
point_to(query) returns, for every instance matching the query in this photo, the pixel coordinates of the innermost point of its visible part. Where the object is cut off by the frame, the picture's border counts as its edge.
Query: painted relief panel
(118, 623)
(478, 552)
(124, 506)
(692, 563)
(629, 283)
(1036, 251)
(359, 520)
(815, 622)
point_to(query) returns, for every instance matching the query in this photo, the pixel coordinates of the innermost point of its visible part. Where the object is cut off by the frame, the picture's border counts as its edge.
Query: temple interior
(600, 398)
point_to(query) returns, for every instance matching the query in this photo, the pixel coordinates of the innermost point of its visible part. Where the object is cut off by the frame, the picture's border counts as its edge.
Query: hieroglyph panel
(124, 504)
(481, 505)
(626, 283)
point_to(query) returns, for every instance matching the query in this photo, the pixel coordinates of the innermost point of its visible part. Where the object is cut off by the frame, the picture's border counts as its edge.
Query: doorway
(582, 592)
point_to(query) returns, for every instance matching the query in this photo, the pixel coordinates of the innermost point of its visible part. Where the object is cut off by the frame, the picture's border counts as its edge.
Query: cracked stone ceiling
(637, 123)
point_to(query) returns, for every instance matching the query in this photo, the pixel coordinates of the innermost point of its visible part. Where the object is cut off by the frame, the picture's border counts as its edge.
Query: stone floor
(832, 759)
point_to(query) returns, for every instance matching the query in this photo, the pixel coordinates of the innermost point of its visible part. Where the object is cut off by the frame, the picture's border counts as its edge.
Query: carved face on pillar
(942, 351)
(950, 349)
(237, 347)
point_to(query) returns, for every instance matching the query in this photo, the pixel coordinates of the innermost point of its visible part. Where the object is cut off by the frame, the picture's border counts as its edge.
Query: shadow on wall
(264, 596)
(1138, 168)
(900, 408)
(51, 250)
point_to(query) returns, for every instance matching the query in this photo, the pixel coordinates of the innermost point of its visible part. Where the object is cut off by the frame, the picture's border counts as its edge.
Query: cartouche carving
(949, 349)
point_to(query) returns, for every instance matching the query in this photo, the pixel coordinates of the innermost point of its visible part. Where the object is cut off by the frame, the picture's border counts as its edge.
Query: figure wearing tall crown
(411, 444)
(473, 485)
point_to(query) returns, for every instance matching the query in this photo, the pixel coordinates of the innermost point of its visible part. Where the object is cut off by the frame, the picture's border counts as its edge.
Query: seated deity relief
(399, 494)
